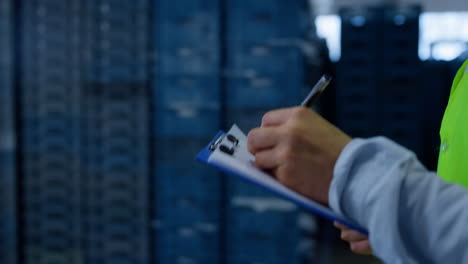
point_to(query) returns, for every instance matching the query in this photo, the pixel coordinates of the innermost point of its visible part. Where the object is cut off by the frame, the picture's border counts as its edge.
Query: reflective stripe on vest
(453, 156)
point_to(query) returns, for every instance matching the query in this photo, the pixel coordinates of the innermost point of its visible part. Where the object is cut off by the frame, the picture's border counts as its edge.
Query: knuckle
(267, 117)
(286, 153)
(298, 112)
(251, 144)
(294, 139)
(251, 137)
(292, 132)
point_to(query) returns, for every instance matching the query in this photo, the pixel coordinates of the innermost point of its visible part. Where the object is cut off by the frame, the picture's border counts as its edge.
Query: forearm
(411, 215)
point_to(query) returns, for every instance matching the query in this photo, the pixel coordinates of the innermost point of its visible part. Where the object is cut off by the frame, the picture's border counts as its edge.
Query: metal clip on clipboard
(222, 147)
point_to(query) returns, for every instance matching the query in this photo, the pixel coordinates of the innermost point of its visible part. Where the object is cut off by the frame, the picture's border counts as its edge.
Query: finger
(277, 117)
(350, 235)
(340, 226)
(266, 159)
(262, 138)
(361, 247)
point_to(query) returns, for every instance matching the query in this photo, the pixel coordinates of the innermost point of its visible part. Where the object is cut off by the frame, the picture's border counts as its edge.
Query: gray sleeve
(411, 214)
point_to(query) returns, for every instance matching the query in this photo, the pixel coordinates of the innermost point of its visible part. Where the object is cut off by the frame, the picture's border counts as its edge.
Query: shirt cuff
(362, 171)
(341, 173)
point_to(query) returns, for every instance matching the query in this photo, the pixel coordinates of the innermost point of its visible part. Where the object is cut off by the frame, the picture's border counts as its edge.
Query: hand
(358, 242)
(300, 148)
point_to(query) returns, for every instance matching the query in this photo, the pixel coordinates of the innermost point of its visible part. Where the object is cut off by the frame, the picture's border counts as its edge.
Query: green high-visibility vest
(453, 156)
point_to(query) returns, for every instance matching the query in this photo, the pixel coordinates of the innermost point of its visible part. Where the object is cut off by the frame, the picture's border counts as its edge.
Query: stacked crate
(436, 80)
(379, 74)
(400, 82)
(357, 74)
(115, 114)
(50, 132)
(8, 239)
(186, 98)
(264, 70)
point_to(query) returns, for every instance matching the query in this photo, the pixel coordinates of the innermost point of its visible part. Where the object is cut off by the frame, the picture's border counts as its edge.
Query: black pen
(318, 88)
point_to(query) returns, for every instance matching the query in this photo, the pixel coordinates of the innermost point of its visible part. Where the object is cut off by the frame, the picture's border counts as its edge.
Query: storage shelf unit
(8, 180)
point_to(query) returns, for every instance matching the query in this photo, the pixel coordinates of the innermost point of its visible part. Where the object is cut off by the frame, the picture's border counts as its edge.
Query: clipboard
(228, 153)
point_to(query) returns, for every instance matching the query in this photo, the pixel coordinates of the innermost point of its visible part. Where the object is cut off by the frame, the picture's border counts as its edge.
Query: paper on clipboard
(228, 153)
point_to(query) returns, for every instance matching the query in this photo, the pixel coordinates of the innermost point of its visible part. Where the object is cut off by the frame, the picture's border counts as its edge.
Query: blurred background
(104, 104)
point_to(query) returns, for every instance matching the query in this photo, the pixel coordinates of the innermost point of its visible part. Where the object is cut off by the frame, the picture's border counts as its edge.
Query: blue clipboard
(219, 155)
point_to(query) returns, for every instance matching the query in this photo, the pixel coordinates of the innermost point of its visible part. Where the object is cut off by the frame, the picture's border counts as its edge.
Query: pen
(318, 88)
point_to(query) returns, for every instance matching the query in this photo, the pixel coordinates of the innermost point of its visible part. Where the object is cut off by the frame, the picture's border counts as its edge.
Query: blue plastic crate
(113, 241)
(133, 173)
(171, 213)
(263, 259)
(195, 49)
(186, 12)
(246, 118)
(180, 90)
(239, 187)
(260, 19)
(8, 168)
(258, 58)
(263, 233)
(182, 54)
(173, 149)
(187, 120)
(269, 91)
(8, 234)
(178, 209)
(193, 180)
(181, 259)
(121, 160)
(8, 206)
(263, 215)
(196, 242)
(186, 59)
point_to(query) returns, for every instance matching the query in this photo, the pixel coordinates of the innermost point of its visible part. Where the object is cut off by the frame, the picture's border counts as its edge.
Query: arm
(411, 214)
